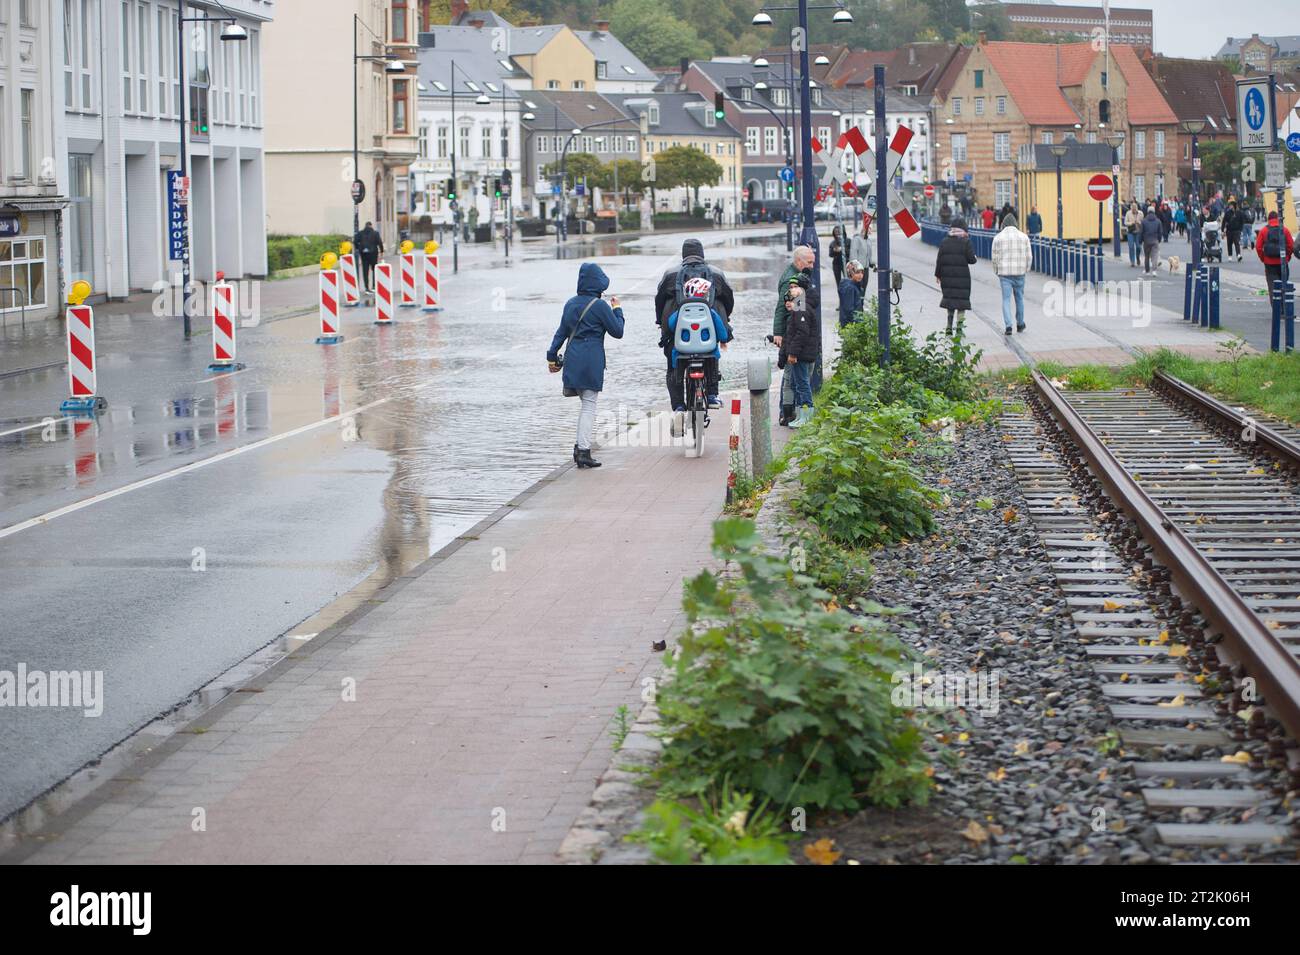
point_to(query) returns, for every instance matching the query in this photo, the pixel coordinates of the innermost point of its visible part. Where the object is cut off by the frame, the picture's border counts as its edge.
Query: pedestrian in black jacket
(800, 348)
(370, 247)
(952, 269)
(1233, 220)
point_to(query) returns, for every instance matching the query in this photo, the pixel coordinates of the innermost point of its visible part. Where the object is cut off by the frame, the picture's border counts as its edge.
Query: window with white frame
(958, 147)
(422, 147)
(631, 144)
(1139, 144)
(1160, 143)
(587, 143)
(27, 165)
(552, 84)
(22, 266)
(602, 70)
(462, 146)
(751, 140)
(579, 84)
(824, 136)
(1002, 106)
(127, 47)
(780, 96)
(770, 189)
(1140, 188)
(1001, 192)
(979, 105)
(956, 106)
(143, 50)
(769, 140)
(485, 134)
(601, 144)
(1002, 147)
(442, 142)
(652, 112)
(1048, 137)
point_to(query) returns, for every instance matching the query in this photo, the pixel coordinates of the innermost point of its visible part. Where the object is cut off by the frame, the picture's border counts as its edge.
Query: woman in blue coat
(586, 320)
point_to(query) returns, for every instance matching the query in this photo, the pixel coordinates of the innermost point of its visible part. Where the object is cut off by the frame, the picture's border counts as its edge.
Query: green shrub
(942, 364)
(725, 831)
(855, 483)
(778, 691)
(294, 251)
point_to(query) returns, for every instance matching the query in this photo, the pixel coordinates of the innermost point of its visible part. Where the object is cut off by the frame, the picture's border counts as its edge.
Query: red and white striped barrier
(384, 293)
(733, 445)
(854, 140)
(351, 288)
(432, 295)
(329, 308)
(408, 279)
(81, 360)
(223, 327)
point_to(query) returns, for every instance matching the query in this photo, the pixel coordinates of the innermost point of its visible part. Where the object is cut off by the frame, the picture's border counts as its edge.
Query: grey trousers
(586, 419)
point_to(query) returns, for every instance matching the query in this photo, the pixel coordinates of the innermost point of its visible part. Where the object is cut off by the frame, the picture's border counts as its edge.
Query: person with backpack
(1247, 226)
(585, 322)
(693, 280)
(369, 247)
(1232, 223)
(1273, 241)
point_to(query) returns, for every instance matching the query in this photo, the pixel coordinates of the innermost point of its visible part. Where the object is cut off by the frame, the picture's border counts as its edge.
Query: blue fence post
(1288, 312)
(1275, 305)
(1101, 263)
(1076, 252)
(1187, 292)
(1214, 296)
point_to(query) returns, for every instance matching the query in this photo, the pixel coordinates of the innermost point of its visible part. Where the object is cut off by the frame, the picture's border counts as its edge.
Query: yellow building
(553, 56)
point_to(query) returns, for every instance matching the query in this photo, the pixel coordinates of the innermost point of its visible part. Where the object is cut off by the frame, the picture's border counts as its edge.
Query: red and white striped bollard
(81, 363)
(408, 279)
(351, 287)
(384, 293)
(329, 308)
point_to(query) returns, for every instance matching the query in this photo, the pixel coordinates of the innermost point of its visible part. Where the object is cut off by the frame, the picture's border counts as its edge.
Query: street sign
(786, 174)
(1256, 127)
(10, 226)
(929, 191)
(358, 191)
(1293, 142)
(1100, 187)
(1114, 170)
(1275, 170)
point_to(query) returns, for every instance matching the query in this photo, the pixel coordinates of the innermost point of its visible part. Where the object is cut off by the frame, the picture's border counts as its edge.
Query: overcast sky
(1199, 27)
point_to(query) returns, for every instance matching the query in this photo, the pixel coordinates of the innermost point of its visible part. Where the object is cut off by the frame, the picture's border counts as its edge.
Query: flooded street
(202, 518)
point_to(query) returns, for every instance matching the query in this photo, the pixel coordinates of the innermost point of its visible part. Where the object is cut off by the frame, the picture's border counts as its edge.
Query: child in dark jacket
(799, 350)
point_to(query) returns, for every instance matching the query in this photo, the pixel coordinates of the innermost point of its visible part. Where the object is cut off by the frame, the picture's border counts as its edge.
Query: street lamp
(761, 61)
(232, 31)
(841, 16)
(562, 222)
(822, 60)
(391, 65)
(1194, 128)
(1114, 141)
(1059, 150)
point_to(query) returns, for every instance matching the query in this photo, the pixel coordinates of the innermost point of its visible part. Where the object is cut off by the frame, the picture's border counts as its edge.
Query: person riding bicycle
(693, 281)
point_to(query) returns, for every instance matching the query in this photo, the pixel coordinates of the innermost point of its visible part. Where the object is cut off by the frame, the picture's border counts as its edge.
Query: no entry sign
(1100, 187)
(929, 191)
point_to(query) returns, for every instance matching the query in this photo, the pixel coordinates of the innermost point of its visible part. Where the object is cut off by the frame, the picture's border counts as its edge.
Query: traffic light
(451, 188)
(496, 188)
(507, 177)
(718, 111)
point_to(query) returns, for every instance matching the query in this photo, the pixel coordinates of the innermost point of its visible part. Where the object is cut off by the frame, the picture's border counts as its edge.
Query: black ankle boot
(585, 460)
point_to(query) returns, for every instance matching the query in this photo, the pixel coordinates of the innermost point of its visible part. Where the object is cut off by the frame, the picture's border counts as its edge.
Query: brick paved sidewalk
(479, 691)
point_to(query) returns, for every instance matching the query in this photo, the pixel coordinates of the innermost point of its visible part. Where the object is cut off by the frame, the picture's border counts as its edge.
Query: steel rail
(1279, 446)
(1265, 657)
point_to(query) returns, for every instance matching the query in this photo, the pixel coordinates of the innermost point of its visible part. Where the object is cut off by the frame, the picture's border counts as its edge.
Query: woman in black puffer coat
(952, 269)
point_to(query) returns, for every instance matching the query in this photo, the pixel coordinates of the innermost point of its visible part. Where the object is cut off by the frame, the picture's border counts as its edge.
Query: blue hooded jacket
(584, 358)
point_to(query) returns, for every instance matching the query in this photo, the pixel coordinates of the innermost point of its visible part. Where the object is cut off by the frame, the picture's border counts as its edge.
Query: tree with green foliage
(651, 31)
(686, 166)
(1221, 165)
(578, 166)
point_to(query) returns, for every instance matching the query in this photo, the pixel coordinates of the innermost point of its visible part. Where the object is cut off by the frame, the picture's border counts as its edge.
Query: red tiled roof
(1074, 62)
(1146, 104)
(1029, 71)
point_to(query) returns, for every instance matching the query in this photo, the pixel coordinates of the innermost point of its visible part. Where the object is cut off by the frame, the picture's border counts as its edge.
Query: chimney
(458, 9)
(529, 23)
(602, 26)
(476, 23)
(984, 38)
(911, 56)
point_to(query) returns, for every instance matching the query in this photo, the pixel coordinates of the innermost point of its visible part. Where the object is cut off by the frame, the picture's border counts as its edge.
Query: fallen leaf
(822, 852)
(1022, 748)
(1178, 649)
(1240, 757)
(1179, 700)
(1164, 637)
(1000, 775)
(1009, 515)
(975, 833)
(1112, 605)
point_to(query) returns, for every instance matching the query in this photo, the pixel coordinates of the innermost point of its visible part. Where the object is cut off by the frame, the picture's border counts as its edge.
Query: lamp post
(232, 31)
(391, 65)
(1194, 127)
(1114, 141)
(841, 16)
(1059, 150)
(481, 100)
(564, 153)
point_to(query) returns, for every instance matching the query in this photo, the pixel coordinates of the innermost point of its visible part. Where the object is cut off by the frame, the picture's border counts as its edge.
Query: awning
(33, 204)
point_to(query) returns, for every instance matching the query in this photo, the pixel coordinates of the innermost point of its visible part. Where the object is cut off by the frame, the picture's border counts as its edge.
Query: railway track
(1173, 524)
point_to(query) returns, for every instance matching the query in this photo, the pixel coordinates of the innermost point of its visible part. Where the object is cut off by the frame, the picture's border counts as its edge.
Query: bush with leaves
(727, 830)
(942, 364)
(777, 690)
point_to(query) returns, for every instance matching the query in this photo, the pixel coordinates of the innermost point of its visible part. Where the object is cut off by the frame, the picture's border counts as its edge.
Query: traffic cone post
(329, 302)
(223, 328)
(384, 293)
(82, 399)
(432, 294)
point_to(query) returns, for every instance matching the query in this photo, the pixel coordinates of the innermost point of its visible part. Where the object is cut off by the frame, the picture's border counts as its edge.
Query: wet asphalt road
(202, 518)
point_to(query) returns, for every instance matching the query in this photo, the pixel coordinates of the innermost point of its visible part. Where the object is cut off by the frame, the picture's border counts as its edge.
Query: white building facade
(100, 82)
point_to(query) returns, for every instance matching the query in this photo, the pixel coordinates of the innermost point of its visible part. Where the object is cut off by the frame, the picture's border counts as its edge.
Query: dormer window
(652, 112)
(602, 70)
(746, 94)
(816, 97)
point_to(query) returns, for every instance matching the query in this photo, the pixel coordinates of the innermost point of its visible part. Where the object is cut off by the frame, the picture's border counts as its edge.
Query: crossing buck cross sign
(853, 139)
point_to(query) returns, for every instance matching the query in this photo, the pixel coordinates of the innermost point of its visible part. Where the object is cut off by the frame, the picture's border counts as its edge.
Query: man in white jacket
(1011, 257)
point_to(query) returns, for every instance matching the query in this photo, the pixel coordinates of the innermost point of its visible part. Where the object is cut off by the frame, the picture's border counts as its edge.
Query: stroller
(1211, 241)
